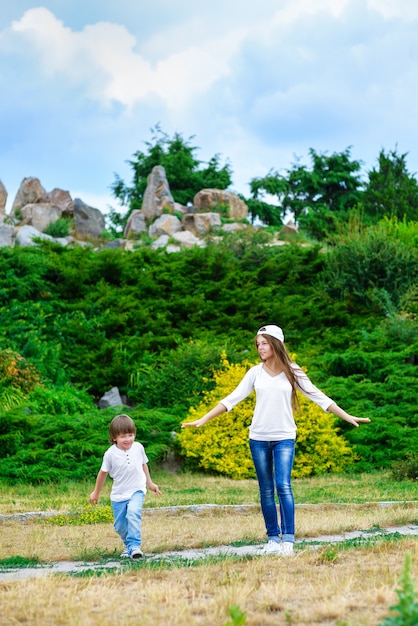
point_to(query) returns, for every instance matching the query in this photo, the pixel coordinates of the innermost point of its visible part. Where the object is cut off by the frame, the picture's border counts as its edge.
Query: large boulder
(88, 221)
(59, 198)
(157, 196)
(26, 234)
(161, 242)
(40, 215)
(135, 224)
(3, 199)
(187, 239)
(110, 398)
(29, 192)
(219, 200)
(289, 228)
(6, 235)
(201, 223)
(165, 225)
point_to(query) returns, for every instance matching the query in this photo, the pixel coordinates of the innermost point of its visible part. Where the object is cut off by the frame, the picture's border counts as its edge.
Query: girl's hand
(356, 421)
(196, 423)
(351, 419)
(218, 410)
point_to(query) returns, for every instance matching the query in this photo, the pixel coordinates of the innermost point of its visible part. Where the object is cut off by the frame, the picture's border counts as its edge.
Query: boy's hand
(94, 498)
(155, 489)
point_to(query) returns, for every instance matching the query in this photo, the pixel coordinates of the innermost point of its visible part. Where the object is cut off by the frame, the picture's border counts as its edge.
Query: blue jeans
(127, 517)
(273, 461)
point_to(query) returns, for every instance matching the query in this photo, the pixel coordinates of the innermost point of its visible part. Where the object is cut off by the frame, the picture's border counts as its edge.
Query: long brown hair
(285, 361)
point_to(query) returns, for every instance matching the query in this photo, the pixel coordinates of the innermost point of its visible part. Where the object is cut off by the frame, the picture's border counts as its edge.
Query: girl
(273, 430)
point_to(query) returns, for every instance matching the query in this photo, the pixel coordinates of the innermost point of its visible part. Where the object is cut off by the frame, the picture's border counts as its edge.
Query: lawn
(182, 488)
(349, 584)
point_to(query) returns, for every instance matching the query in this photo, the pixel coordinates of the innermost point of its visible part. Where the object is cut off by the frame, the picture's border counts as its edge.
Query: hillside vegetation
(76, 322)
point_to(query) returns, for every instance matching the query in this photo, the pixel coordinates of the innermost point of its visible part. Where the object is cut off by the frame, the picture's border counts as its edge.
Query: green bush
(376, 265)
(60, 434)
(60, 228)
(154, 324)
(405, 612)
(406, 468)
(176, 378)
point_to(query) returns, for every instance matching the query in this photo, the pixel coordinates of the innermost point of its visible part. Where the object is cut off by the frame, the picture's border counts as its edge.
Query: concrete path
(74, 567)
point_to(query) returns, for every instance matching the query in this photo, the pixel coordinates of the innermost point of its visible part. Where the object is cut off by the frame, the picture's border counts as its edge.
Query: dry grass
(323, 587)
(355, 589)
(176, 530)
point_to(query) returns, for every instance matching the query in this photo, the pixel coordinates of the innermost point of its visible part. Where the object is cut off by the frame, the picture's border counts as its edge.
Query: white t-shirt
(273, 414)
(125, 467)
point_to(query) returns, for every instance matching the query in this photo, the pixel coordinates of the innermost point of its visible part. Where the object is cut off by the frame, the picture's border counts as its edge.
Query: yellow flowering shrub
(87, 515)
(17, 379)
(222, 446)
(16, 372)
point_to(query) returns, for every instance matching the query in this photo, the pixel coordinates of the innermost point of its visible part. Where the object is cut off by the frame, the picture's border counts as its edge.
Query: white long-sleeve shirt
(273, 414)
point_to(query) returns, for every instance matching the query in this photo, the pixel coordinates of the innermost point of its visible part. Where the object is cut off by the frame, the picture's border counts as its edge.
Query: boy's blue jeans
(273, 461)
(127, 519)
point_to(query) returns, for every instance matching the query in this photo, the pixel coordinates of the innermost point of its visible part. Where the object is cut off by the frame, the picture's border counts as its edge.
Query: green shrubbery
(60, 228)
(376, 265)
(405, 612)
(406, 468)
(39, 448)
(75, 322)
(59, 434)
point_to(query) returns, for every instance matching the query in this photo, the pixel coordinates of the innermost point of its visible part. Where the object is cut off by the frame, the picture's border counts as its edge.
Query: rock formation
(170, 224)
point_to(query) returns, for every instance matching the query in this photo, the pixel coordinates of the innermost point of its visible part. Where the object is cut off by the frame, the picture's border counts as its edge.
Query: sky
(83, 83)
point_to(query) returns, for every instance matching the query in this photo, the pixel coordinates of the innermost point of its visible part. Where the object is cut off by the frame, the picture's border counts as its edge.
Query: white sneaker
(124, 554)
(271, 547)
(137, 553)
(287, 548)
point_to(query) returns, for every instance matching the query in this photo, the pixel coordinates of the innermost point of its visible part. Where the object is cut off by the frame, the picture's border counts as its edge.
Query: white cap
(273, 331)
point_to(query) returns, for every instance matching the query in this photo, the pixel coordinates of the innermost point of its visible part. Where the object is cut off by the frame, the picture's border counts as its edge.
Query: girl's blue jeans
(127, 517)
(273, 461)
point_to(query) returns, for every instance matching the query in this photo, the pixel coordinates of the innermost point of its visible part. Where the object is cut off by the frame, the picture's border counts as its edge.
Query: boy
(126, 462)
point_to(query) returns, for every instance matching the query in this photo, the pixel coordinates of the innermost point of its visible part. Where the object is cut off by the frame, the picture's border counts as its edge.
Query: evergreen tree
(185, 173)
(318, 197)
(391, 190)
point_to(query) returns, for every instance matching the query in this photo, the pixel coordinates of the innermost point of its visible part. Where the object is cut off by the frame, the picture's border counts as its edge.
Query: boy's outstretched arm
(150, 484)
(100, 480)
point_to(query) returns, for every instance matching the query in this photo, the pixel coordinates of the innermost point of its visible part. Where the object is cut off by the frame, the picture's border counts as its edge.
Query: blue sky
(260, 83)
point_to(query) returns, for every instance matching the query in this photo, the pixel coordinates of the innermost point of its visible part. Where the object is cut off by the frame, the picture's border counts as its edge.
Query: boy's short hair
(121, 425)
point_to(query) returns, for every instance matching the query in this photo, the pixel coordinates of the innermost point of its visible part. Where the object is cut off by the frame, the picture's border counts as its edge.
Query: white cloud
(405, 9)
(102, 57)
(50, 38)
(256, 82)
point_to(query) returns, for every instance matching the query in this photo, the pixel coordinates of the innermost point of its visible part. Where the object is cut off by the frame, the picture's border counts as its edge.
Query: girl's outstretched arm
(218, 410)
(351, 419)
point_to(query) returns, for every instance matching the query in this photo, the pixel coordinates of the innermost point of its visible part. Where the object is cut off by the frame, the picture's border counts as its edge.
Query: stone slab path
(74, 567)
